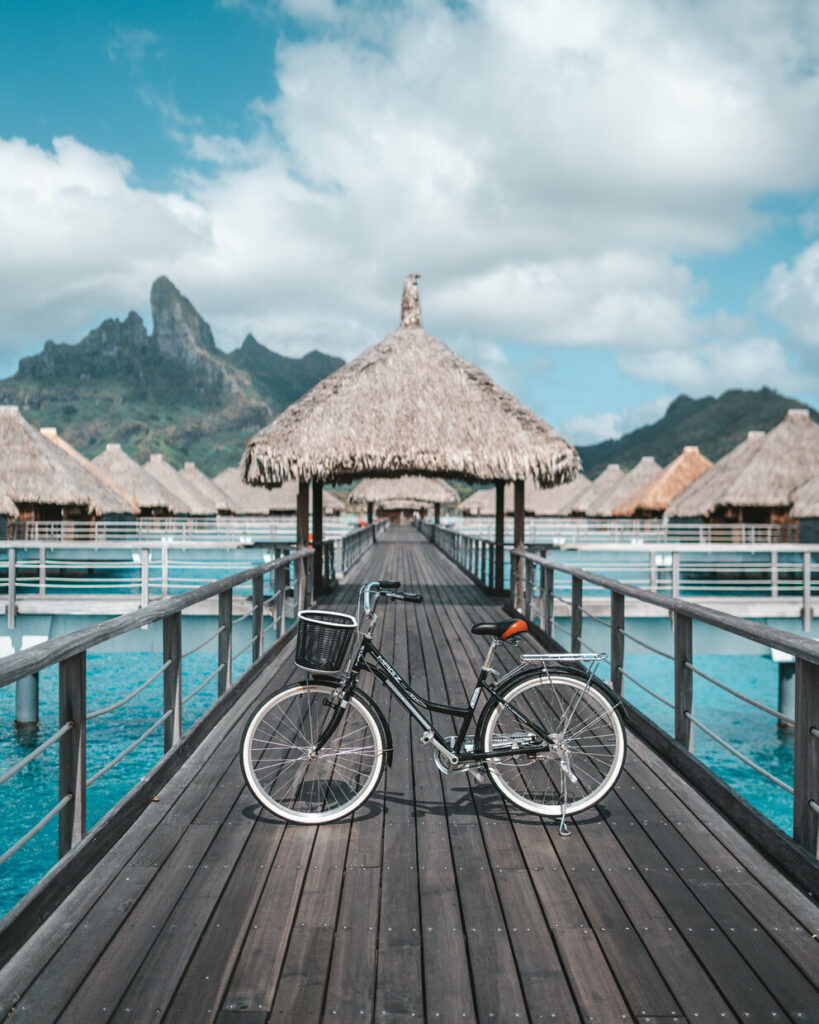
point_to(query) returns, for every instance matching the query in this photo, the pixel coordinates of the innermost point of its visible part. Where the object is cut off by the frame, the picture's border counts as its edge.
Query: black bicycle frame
(412, 701)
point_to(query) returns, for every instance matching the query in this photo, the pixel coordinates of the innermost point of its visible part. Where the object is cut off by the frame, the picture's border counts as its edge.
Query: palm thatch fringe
(191, 472)
(631, 482)
(36, 472)
(148, 493)
(197, 503)
(7, 506)
(701, 497)
(653, 499)
(787, 457)
(51, 434)
(403, 492)
(408, 405)
(263, 501)
(806, 500)
(602, 483)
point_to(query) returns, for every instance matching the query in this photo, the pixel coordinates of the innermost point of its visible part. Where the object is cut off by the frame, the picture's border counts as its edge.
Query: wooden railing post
(683, 679)
(675, 574)
(280, 578)
(71, 827)
(617, 640)
(145, 556)
(774, 573)
(806, 758)
(172, 677)
(165, 573)
(807, 610)
(225, 676)
(42, 570)
(549, 600)
(528, 588)
(257, 618)
(577, 613)
(12, 588)
(652, 570)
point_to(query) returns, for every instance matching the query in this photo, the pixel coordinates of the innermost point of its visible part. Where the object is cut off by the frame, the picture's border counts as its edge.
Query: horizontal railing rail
(534, 595)
(477, 556)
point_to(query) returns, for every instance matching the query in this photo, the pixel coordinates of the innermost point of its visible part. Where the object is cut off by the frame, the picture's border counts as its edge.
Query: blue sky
(610, 203)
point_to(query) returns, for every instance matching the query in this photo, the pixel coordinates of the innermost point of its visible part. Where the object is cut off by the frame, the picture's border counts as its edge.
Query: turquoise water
(30, 794)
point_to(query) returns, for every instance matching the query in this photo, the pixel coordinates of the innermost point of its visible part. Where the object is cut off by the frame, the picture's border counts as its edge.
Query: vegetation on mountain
(716, 425)
(172, 391)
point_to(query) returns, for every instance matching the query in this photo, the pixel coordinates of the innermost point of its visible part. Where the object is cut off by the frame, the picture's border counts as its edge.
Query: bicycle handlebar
(388, 584)
(395, 596)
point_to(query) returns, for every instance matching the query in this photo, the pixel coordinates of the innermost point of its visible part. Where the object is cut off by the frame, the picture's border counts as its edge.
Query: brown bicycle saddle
(503, 629)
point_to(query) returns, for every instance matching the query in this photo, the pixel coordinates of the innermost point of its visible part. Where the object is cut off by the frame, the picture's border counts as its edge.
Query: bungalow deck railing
(544, 591)
(278, 589)
(583, 530)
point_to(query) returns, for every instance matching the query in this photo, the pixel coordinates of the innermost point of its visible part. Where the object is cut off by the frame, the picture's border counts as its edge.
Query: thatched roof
(403, 492)
(191, 472)
(7, 506)
(197, 503)
(787, 457)
(806, 499)
(148, 493)
(408, 405)
(634, 480)
(262, 501)
(676, 476)
(51, 434)
(36, 472)
(602, 483)
(554, 501)
(702, 496)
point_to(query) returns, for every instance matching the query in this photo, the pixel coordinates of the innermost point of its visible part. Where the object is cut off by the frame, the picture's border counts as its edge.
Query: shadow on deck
(437, 901)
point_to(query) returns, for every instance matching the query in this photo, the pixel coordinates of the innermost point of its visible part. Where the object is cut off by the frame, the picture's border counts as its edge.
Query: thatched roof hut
(806, 500)
(160, 469)
(51, 434)
(408, 405)
(263, 501)
(42, 480)
(787, 457)
(630, 483)
(191, 472)
(602, 483)
(403, 492)
(148, 493)
(653, 499)
(7, 506)
(537, 501)
(701, 497)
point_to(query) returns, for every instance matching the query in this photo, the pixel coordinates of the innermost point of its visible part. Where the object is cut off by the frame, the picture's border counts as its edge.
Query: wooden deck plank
(456, 906)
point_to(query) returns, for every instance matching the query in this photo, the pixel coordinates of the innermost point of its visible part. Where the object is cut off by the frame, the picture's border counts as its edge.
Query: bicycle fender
(379, 714)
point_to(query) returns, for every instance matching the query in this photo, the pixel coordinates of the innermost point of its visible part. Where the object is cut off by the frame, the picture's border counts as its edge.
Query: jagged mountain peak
(178, 329)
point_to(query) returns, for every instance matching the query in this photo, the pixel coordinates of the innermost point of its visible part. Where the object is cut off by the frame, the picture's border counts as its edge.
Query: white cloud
(590, 429)
(545, 165)
(792, 294)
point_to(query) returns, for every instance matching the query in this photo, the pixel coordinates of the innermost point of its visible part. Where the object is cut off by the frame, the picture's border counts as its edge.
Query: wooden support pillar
(302, 514)
(318, 536)
(71, 825)
(437, 510)
(499, 536)
(519, 512)
(370, 517)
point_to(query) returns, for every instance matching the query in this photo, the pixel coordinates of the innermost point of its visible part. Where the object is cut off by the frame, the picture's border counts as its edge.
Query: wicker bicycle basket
(322, 640)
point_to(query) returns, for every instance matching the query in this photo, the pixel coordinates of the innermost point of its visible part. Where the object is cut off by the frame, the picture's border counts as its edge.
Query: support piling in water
(27, 703)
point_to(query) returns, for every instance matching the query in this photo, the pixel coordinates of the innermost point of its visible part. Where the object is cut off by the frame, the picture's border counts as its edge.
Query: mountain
(171, 391)
(716, 425)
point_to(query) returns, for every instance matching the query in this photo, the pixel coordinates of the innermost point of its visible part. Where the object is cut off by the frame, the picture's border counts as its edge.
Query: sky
(610, 203)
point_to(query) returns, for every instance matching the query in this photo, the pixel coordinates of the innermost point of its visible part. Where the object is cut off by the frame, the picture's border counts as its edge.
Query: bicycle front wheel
(293, 778)
(586, 743)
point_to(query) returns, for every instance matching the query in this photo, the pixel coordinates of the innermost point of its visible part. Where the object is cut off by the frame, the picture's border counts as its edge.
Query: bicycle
(549, 735)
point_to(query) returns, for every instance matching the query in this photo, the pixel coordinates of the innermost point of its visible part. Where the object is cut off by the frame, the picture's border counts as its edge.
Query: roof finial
(410, 303)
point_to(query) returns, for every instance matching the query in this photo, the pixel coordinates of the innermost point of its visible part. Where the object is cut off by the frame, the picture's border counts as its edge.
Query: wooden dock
(437, 901)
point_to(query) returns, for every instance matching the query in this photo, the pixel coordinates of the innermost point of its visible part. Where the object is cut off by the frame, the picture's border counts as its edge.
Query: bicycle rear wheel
(298, 782)
(586, 750)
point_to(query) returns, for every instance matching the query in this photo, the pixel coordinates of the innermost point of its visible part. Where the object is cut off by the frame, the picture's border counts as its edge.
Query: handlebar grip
(389, 584)
(415, 598)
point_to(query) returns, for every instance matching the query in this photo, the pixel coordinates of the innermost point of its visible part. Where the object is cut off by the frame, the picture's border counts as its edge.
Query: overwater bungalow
(264, 501)
(152, 497)
(8, 510)
(409, 405)
(765, 489)
(203, 483)
(197, 503)
(44, 482)
(51, 434)
(602, 483)
(537, 501)
(699, 501)
(646, 470)
(399, 497)
(652, 500)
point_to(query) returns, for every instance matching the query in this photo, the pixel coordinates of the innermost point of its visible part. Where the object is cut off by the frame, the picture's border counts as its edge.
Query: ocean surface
(33, 791)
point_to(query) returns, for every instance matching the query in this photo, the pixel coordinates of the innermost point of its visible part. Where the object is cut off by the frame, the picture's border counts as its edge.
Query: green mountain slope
(716, 425)
(171, 391)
